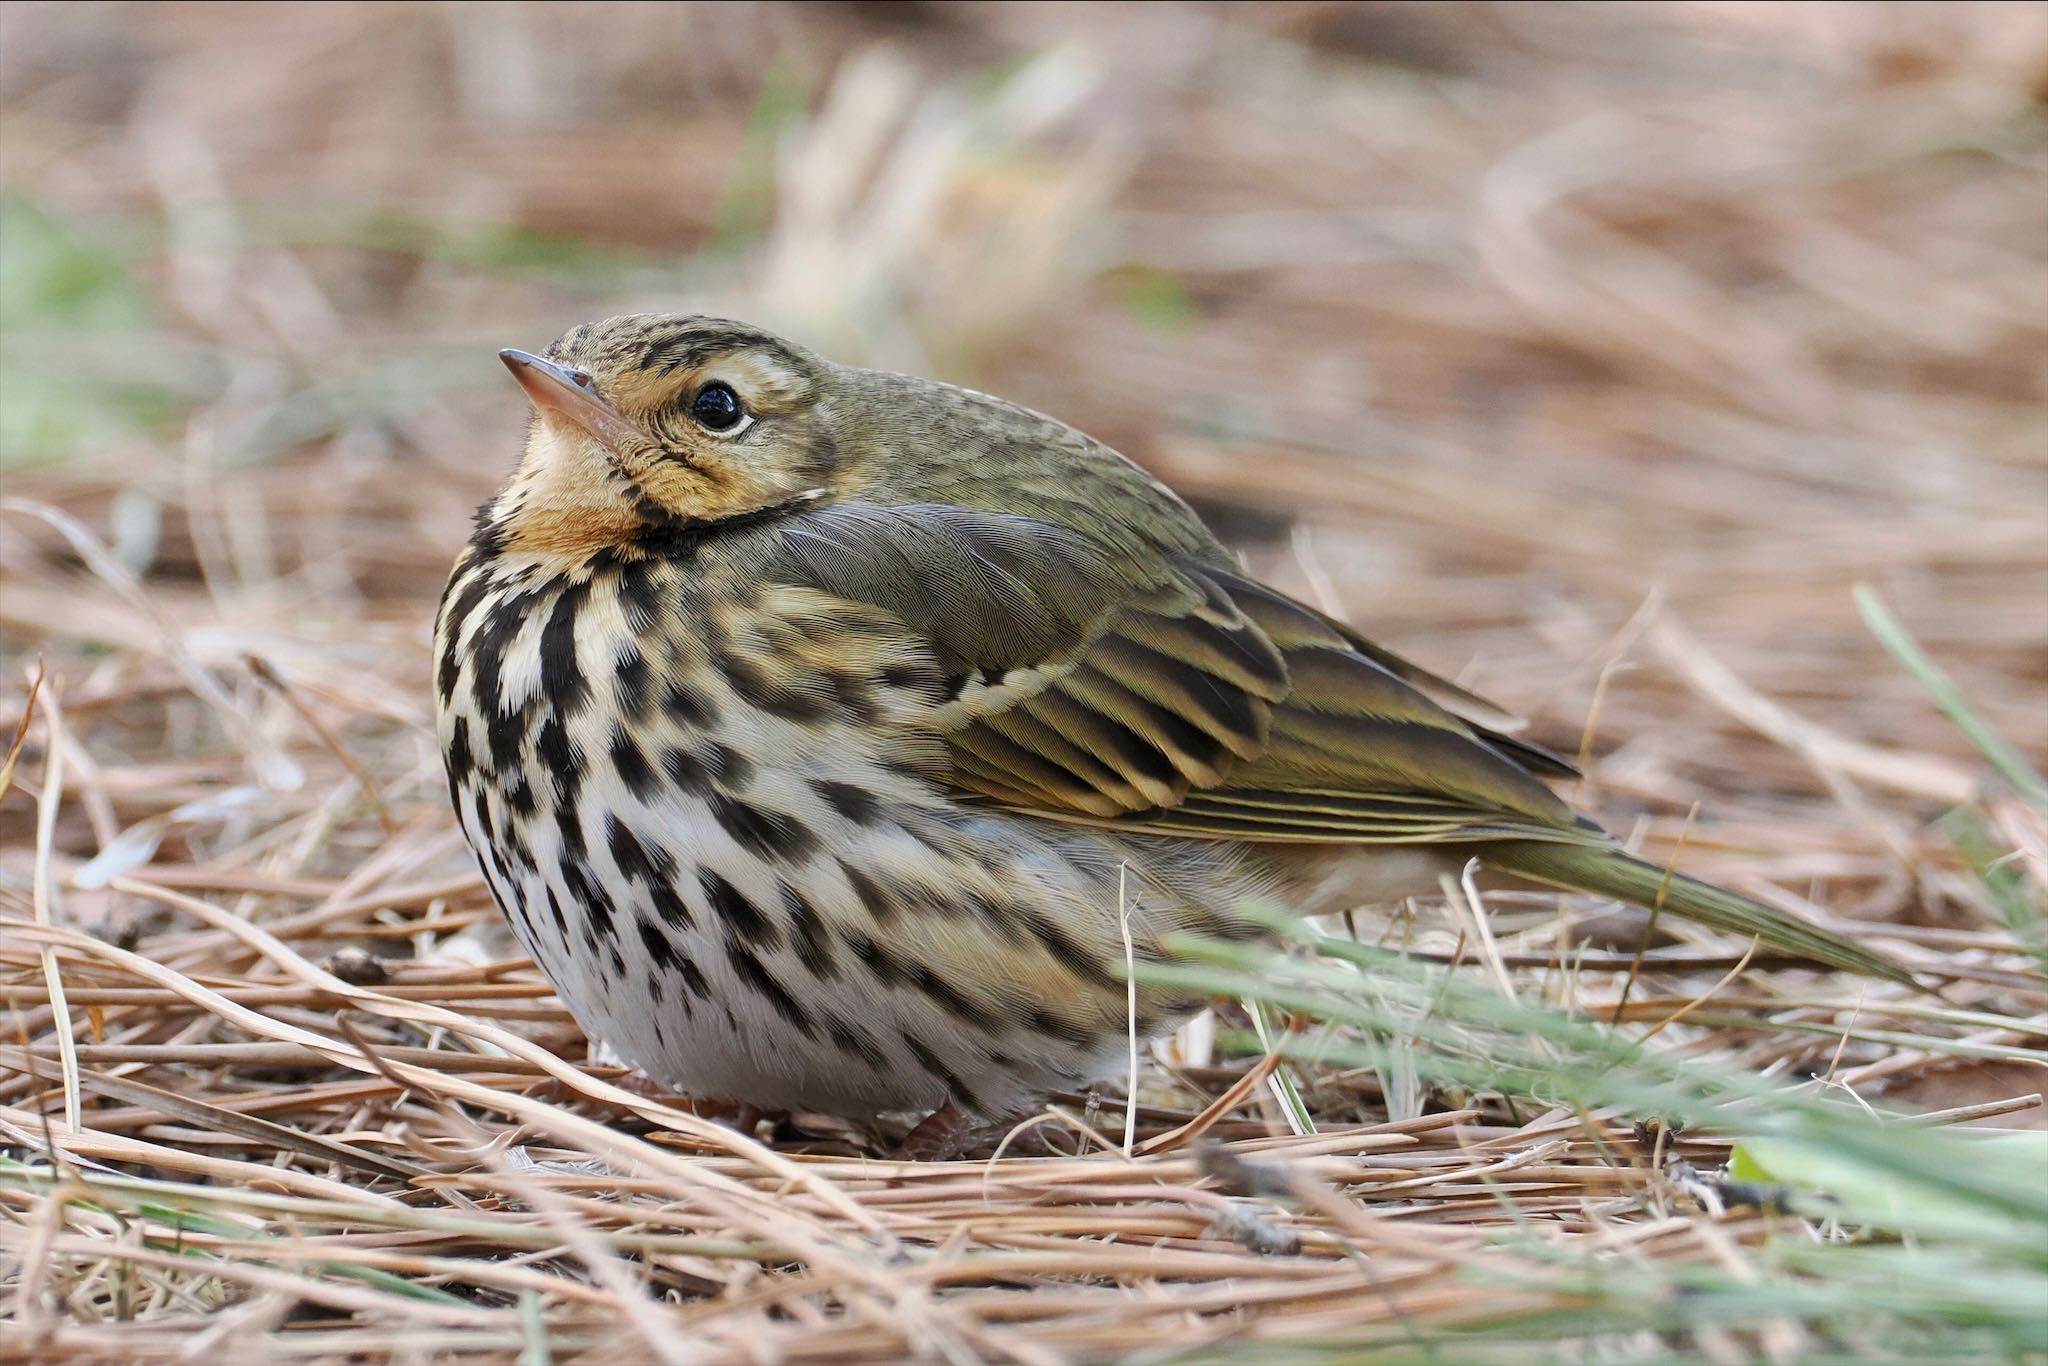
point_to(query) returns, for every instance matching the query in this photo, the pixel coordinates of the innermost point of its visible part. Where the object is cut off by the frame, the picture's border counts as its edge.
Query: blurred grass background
(1516, 314)
(1589, 353)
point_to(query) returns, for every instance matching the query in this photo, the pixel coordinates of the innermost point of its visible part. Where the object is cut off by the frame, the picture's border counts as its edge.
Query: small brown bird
(806, 721)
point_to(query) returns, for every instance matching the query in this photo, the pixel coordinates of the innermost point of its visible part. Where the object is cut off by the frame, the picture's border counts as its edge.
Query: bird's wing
(1169, 694)
(1164, 694)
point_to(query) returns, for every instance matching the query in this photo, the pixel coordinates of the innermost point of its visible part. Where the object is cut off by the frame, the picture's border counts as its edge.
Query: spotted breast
(702, 804)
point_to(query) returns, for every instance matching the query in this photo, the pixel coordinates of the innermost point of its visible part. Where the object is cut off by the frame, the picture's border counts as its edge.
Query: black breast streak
(505, 738)
(514, 913)
(687, 706)
(493, 638)
(455, 614)
(631, 857)
(497, 740)
(694, 980)
(685, 770)
(1069, 954)
(1004, 918)
(653, 869)
(808, 932)
(763, 831)
(521, 798)
(480, 818)
(956, 1089)
(919, 678)
(737, 912)
(752, 683)
(950, 999)
(588, 897)
(1058, 1026)
(631, 764)
(569, 829)
(666, 962)
(852, 1041)
(729, 768)
(881, 908)
(561, 678)
(511, 844)
(563, 763)
(465, 591)
(755, 975)
(885, 966)
(670, 906)
(856, 804)
(633, 683)
(460, 762)
(639, 596)
(504, 891)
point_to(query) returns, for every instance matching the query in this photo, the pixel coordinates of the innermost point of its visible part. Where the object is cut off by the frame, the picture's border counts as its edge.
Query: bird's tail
(1609, 872)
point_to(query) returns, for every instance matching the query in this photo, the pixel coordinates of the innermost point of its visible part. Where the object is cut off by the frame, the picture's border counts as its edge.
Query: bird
(826, 734)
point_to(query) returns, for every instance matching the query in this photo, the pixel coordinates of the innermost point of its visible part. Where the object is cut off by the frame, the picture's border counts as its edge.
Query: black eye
(717, 407)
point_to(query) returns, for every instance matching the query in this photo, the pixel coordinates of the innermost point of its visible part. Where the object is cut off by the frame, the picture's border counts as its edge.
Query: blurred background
(1588, 353)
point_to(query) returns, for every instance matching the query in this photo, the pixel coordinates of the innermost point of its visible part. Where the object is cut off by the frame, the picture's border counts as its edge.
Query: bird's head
(655, 422)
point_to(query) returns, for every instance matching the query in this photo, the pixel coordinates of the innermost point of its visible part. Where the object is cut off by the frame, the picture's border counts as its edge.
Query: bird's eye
(717, 408)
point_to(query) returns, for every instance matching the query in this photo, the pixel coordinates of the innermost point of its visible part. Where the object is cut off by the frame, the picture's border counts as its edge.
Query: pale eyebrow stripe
(768, 371)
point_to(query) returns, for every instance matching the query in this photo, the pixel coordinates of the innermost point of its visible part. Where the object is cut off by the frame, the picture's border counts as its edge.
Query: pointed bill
(560, 392)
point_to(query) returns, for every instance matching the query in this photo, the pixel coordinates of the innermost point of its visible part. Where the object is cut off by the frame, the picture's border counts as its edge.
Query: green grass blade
(2002, 753)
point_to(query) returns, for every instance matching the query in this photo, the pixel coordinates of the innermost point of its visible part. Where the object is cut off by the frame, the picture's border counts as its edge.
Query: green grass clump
(1898, 1242)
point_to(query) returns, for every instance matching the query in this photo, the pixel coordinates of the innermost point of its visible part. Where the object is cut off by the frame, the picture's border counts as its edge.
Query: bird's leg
(738, 1114)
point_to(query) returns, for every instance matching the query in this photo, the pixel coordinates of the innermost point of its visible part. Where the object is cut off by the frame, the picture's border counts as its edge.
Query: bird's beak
(558, 391)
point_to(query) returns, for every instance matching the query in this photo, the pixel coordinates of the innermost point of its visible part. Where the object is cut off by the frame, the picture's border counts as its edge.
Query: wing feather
(1165, 693)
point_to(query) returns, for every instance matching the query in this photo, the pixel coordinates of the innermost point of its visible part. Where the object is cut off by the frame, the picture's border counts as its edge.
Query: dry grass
(1593, 353)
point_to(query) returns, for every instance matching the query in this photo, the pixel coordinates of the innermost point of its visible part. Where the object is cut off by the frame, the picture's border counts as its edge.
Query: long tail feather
(1609, 872)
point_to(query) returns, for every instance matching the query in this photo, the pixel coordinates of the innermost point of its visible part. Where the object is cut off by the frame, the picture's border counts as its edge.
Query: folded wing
(1168, 693)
